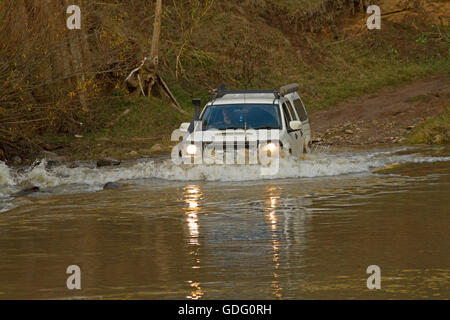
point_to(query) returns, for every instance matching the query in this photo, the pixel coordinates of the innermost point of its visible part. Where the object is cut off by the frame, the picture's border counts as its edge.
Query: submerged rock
(108, 162)
(26, 192)
(111, 186)
(52, 163)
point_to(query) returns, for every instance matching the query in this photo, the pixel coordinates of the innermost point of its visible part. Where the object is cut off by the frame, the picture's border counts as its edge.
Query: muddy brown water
(290, 238)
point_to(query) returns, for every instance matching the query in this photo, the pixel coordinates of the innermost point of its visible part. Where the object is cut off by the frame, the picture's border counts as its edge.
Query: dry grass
(52, 81)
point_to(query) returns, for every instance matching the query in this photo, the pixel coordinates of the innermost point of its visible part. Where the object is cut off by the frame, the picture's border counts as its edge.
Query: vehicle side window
(300, 110)
(287, 116)
(291, 111)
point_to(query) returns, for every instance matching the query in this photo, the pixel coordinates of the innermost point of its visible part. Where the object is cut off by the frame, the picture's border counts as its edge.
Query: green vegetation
(364, 76)
(321, 44)
(434, 130)
(137, 124)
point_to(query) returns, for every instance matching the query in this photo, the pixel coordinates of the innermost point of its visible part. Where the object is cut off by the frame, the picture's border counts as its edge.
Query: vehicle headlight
(191, 149)
(271, 147)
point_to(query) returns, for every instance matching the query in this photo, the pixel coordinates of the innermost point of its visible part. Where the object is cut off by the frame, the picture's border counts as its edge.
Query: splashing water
(311, 165)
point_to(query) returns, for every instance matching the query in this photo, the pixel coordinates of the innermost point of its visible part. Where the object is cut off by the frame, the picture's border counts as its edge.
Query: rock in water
(26, 192)
(108, 162)
(111, 186)
(52, 163)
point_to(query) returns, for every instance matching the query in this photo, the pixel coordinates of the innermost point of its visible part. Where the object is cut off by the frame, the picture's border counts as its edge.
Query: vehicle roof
(248, 98)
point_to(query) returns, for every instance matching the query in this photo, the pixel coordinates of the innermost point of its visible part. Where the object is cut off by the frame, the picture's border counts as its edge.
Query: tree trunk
(156, 35)
(143, 79)
(77, 41)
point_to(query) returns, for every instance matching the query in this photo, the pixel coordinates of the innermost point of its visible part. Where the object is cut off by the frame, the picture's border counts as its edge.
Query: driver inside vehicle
(227, 115)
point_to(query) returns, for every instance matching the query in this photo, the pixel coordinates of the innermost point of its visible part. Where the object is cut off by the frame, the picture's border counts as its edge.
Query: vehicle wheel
(306, 148)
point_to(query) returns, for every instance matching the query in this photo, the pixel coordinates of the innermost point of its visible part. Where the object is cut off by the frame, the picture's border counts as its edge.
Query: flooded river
(211, 232)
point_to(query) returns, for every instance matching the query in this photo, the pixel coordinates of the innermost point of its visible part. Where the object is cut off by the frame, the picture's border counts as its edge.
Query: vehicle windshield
(241, 116)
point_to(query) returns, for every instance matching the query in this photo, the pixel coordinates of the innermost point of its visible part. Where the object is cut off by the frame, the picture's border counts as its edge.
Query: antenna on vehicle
(197, 105)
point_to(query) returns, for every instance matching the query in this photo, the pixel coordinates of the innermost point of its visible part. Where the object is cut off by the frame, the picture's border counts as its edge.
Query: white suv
(243, 113)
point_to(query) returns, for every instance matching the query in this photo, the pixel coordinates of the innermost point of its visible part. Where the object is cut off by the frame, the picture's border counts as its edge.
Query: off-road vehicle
(249, 117)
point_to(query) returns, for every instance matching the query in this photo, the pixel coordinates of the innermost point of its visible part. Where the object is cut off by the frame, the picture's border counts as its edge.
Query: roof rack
(220, 94)
(222, 91)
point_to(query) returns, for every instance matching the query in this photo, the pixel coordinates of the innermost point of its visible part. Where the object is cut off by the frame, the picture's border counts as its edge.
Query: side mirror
(197, 104)
(295, 125)
(184, 126)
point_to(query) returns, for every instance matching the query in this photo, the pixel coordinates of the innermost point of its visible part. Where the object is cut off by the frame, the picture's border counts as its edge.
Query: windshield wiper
(231, 128)
(267, 128)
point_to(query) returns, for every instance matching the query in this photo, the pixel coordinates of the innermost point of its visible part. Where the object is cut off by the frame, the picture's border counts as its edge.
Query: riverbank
(338, 63)
(405, 114)
(416, 112)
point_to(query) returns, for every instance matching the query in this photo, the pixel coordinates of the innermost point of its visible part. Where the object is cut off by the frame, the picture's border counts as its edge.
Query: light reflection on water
(192, 195)
(273, 194)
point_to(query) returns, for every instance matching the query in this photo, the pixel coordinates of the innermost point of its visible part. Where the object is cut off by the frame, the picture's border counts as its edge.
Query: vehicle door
(303, 116)
(298, 135)
(294, 137)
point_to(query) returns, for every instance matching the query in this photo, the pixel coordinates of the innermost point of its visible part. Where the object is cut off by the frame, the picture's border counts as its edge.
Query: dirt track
(384, 117)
